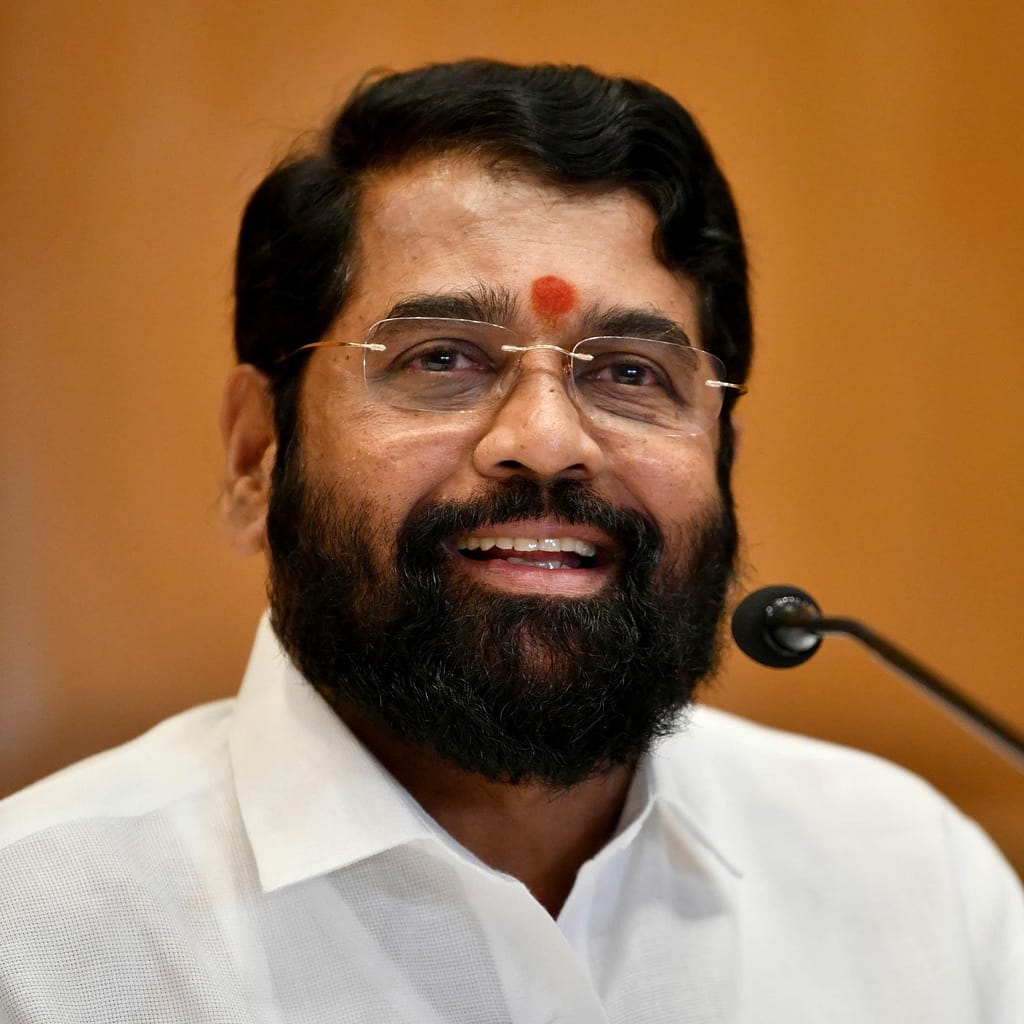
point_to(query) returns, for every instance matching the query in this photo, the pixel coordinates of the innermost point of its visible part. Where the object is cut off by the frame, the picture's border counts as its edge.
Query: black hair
(567, 126)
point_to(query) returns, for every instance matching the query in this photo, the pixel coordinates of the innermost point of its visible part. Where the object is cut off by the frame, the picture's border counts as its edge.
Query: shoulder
(822, 832)
(794, 799)
(112, 873)
(788, 805)
(181, 756)
(783, 769)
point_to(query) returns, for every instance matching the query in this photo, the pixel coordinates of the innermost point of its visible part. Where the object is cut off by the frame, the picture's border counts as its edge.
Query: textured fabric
(249, 861)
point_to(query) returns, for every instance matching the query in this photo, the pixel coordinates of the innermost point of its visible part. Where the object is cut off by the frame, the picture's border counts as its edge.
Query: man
(490, 334)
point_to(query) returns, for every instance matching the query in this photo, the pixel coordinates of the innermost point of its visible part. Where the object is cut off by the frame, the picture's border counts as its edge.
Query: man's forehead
(449, 237)
(461, 183)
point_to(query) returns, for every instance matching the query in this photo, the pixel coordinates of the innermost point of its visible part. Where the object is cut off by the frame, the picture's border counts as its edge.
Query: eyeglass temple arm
(372, 345)
(740, 389)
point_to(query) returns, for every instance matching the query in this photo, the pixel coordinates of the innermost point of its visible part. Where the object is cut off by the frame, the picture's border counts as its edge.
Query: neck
(531, 831)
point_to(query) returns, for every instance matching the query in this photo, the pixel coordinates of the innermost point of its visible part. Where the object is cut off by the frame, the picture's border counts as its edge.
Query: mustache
(568, 501)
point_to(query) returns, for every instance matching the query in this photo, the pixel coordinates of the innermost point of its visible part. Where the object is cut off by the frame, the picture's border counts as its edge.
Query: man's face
(381, 531)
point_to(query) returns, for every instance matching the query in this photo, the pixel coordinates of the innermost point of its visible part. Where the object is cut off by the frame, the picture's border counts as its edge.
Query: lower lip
(516, 578)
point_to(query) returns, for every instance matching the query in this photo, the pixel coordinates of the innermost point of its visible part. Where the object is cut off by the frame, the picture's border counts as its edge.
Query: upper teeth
(581, 547)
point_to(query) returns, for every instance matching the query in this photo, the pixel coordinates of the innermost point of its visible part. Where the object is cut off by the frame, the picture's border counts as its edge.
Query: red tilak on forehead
(551, 297)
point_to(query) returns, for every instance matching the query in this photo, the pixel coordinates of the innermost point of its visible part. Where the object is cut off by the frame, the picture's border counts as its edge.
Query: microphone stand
(797, 619)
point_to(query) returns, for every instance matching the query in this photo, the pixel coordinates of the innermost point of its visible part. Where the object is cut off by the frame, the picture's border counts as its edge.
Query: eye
(442, 356)
(627, 371)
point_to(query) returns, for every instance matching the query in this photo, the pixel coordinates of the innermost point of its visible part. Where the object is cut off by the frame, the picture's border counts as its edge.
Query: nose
(537, 430)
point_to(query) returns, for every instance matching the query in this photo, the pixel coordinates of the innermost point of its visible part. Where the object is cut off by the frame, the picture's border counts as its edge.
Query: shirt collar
(675, 784)
(314, 800)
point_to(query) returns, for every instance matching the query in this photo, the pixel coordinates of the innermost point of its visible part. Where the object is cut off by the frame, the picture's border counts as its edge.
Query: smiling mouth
(537, 552)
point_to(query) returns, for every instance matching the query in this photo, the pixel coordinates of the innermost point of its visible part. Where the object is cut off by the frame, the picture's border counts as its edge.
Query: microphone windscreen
(754, 633)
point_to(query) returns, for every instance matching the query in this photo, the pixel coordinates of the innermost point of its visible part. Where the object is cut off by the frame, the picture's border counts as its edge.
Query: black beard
(515, 688)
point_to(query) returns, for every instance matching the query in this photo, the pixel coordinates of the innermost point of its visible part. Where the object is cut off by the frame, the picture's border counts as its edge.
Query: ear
(250, 443)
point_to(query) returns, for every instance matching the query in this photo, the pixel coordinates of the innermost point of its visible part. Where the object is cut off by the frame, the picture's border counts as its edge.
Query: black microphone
(781, 626)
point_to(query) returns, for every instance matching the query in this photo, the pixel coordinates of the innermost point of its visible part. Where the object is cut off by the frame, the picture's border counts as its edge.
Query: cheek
(390, 466)
(676, 485)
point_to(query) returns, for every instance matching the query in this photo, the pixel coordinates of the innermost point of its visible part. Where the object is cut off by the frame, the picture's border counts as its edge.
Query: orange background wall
(876, 153)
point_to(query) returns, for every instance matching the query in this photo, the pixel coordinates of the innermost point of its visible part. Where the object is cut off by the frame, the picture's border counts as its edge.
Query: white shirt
(250, 861)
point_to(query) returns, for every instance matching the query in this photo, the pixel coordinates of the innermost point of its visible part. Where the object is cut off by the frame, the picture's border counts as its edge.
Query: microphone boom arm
(800, 618)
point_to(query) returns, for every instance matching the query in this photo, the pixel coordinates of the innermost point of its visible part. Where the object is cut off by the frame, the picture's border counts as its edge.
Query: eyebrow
(496, 305)
(628, 322)
(481, 302)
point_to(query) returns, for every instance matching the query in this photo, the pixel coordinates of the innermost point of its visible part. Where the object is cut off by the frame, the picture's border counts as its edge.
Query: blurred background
(876, 153)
